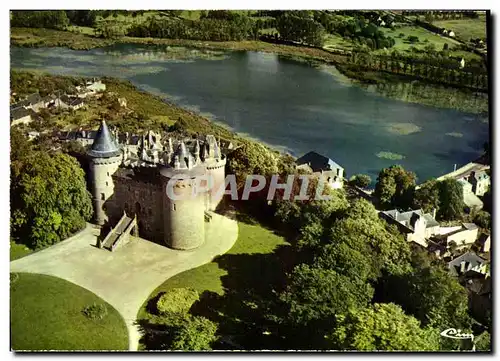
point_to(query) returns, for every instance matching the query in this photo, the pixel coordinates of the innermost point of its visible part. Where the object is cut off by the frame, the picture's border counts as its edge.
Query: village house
(67, 102)
(480, 182)
(322, 166)
(33, 101)
(483, 243)
(470, 199)
(20, 115)
(465, 263)
(416, 225)
(453, 238)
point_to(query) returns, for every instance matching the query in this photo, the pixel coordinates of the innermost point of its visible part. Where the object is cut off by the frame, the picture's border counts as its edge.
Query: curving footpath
(125, 278)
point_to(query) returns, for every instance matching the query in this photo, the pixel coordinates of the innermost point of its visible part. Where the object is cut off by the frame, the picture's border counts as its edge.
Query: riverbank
(35, 38)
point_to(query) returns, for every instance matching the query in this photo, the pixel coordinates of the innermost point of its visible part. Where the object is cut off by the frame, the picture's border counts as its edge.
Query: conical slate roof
(104, 145)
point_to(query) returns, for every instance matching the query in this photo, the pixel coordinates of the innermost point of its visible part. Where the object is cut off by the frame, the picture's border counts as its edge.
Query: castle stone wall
(144, 200)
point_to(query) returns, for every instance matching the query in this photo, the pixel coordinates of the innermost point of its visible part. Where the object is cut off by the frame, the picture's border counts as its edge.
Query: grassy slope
(252, 240)
(46, 314)
(465, 29)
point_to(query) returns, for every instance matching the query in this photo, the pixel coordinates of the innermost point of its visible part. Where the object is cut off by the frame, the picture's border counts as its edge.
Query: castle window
(173, 206)
(137, 208)
(108, 174)
(102, 197)
(106, 184)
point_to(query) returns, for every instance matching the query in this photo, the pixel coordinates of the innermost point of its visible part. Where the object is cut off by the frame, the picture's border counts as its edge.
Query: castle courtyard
(126, 277)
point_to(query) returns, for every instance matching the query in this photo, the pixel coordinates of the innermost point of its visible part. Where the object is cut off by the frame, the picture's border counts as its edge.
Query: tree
(195, 333)
(251, 158)
(451, 199)
(49, 199)
(483, 219)
(427, 196)
(360, 180)
(395, 187)
(362, 230)
(51, 19)
(382, 327)
(315, 295)
(431, 295)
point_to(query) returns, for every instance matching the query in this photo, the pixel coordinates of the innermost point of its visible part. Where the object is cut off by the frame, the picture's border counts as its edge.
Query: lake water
(286, 104)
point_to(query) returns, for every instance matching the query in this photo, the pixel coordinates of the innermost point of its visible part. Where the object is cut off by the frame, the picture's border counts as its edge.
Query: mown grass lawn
(46, 314)
(18, 250)
(253, 239)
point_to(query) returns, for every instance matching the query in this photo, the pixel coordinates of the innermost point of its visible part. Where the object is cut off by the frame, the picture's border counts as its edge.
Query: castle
(131, 177)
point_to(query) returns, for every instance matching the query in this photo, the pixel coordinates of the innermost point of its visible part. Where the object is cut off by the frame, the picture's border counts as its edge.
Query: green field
(465, 29)
(422, 34)
(46, 314)
(253, 240)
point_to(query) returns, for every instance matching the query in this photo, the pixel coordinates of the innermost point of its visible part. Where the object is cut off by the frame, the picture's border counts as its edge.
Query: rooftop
(405, 217)
(317, 162)
(104, 145)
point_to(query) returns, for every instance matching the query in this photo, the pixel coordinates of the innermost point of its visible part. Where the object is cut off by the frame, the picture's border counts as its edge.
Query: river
(289, 105)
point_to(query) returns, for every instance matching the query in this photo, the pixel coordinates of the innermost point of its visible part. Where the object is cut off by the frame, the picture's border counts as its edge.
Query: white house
(417, 225)
(324, 167)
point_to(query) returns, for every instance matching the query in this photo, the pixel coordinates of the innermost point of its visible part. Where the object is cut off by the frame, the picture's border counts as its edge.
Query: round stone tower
(215, 163)
(183, 206)
(105, 158)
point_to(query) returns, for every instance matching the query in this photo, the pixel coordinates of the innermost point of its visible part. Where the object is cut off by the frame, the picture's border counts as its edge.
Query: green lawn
(18, 250)
(333, 41)
(422, 34)
(465, 29)
(46, 314)
(252, 240)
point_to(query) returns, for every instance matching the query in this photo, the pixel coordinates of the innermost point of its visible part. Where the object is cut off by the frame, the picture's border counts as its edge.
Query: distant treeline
(239, 28)
(432, 68)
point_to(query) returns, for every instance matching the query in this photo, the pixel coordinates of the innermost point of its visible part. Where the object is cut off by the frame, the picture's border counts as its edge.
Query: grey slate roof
(405, 217)
(19, 113)
(469, 260)
(104, 145)
(317, 162)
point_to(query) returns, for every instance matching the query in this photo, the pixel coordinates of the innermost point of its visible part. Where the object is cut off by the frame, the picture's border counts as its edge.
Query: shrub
(360, 180)
(412, 39)
(13, 278)
(95, 311)
(401, 35)
(483, 219)
(177, 300)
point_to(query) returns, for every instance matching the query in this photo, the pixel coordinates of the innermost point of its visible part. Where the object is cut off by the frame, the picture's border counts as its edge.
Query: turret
(183, 205)
(215, 163)
(106, 157)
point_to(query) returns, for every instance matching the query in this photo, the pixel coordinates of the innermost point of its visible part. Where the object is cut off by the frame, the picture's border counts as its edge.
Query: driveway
(126, 277)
